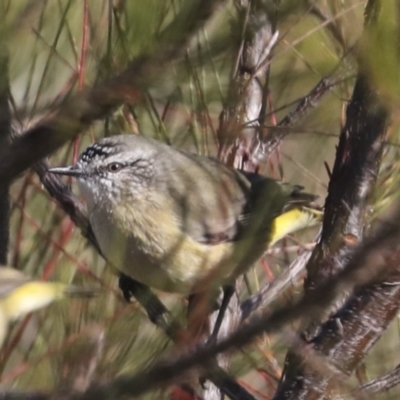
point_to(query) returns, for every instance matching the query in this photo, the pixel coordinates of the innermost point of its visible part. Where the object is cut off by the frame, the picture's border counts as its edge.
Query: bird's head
(117, 168)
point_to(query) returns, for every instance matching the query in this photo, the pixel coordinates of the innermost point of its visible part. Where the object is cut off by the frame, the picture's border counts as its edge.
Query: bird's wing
(214, 203)
(208, 198)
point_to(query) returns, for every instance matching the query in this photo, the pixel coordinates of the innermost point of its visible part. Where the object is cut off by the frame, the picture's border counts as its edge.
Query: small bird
(20, 295)
(181, 222)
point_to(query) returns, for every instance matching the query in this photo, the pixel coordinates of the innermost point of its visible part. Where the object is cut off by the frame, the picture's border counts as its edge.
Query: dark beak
(73, 170)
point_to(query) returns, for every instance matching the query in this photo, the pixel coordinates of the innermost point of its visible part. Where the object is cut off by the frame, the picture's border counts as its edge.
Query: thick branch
(346, 210)
(245, 100)
(346, 338)
(353, 179)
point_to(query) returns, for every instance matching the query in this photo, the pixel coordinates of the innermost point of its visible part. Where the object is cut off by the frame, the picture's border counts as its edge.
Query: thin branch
(243, 105)
(268, 142)
(272, 290)
(241, 114)
(383, 383)
(332, 26)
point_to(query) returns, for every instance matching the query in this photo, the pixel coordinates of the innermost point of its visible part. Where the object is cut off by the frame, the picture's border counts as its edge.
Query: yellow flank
(294, 220)
(31, 296)
(179, 261)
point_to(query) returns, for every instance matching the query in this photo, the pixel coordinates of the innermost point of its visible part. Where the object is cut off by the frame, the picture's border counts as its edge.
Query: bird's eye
(114, 167)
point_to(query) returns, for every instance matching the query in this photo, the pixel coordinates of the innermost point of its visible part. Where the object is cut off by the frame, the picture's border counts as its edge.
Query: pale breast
(150, 248)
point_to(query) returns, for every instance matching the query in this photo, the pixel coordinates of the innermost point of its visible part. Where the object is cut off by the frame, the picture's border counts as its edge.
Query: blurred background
(60, 47)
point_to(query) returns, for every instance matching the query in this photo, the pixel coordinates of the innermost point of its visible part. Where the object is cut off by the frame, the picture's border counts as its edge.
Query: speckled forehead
(97, 152)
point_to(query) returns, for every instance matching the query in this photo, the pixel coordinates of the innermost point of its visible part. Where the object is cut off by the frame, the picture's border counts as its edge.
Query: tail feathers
(298, 197)
(294, 220)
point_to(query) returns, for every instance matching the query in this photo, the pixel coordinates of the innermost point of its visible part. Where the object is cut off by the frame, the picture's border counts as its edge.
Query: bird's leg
(228, 291)
(127, 286)
(157, 312)
(131, 288)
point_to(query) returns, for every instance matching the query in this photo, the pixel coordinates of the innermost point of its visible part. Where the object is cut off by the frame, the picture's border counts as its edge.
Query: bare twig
(241, 115)
(271, 291)
(383, 383)
(268, 143)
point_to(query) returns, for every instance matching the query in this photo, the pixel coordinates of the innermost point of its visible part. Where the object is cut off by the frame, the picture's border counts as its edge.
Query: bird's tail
(295, 219)
(298, 197)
